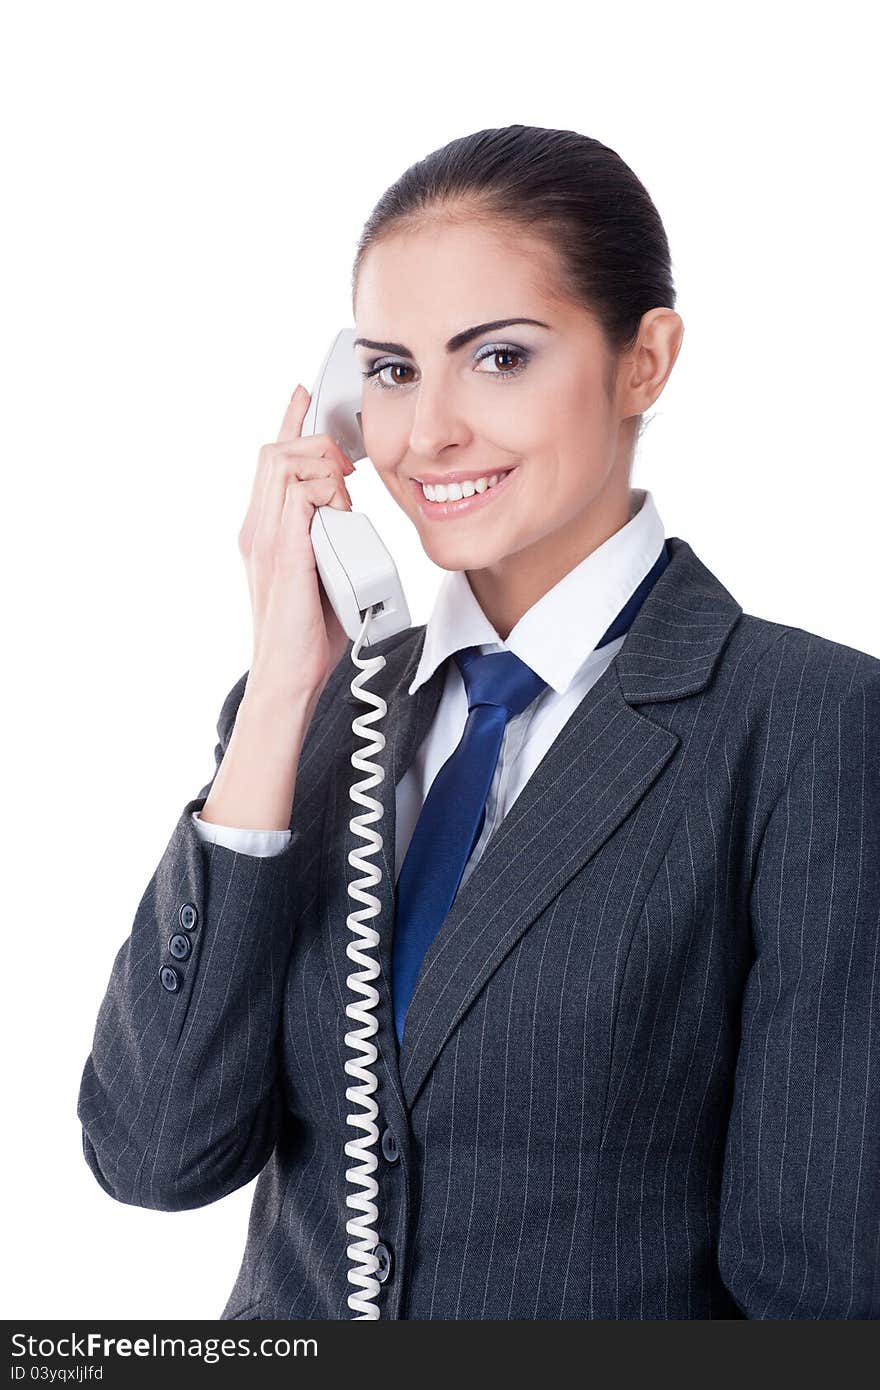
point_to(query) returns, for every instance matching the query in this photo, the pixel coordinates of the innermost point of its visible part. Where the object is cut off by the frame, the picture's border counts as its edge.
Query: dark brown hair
(571, 191)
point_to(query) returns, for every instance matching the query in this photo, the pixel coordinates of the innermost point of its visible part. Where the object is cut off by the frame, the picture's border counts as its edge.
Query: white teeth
(453, 492)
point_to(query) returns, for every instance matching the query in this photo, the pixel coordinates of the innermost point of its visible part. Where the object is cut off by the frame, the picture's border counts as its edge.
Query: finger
(290, 432)
(315, 446)
(291, 425)
(293, 540)
(276, 490)
(305, 497)
(286, 460)
(303, 468)
(258, 489)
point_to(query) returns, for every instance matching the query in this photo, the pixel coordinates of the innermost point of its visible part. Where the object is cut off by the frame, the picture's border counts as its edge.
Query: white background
(184, 186)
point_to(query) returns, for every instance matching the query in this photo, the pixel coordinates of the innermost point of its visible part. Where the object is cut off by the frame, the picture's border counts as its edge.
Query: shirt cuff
(262, 844)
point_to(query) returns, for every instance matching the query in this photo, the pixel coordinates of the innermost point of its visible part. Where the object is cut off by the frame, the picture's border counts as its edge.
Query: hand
(298, 640)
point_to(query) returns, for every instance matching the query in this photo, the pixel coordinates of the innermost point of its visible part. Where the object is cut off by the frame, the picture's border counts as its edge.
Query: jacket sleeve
(800, 1200)
(180, 1101)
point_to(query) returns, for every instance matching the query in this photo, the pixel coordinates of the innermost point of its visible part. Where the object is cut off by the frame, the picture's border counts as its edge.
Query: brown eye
(509, 361)
(376, 373)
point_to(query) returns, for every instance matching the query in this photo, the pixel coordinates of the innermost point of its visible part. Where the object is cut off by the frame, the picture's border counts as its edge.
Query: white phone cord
(362, 1249)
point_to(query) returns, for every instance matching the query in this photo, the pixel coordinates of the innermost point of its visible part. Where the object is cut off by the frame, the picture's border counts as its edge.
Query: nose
(435, 423)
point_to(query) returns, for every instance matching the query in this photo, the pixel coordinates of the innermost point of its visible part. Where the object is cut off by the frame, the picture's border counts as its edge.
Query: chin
(460, 554)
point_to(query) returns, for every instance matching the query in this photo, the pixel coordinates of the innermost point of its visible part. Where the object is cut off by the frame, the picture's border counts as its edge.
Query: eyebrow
(456, 342)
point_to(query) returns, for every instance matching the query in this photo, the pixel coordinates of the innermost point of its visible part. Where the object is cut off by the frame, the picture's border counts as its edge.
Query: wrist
(284, 712)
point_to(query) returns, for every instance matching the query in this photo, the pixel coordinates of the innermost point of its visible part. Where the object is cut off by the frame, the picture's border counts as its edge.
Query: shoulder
(792, 662)
(793, 689)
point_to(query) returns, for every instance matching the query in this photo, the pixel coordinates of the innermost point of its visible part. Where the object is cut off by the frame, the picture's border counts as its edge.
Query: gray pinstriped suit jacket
(640, 1076)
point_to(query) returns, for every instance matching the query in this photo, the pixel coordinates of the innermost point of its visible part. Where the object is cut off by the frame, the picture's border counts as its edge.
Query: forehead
(446, 272)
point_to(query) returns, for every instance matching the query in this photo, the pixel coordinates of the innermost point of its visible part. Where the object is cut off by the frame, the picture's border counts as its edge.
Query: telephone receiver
(354, 566)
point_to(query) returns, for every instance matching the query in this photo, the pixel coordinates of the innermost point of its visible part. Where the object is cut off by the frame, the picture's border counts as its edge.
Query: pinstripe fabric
(640, 1076)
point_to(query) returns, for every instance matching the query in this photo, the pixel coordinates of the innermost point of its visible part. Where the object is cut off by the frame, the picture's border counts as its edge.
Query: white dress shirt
(556, 637)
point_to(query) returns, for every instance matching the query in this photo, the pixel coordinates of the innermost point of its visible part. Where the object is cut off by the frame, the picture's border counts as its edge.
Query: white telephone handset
(363, 586)
(354, 566)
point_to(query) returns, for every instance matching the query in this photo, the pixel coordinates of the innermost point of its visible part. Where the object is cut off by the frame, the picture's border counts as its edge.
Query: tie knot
(498, 678)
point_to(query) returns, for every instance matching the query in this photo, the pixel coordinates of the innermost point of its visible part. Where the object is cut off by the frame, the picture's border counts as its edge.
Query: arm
(179, 1101)
(800, 1200)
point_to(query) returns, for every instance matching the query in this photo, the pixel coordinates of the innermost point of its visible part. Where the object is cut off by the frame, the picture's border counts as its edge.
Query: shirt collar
(559, 632)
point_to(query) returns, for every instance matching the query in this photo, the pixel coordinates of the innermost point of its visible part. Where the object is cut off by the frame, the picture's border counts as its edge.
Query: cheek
(544, 422)
(388, 477)
(581, 438)
(386, 445)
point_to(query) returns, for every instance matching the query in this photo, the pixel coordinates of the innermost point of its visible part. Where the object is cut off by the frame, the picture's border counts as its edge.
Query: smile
(484, 492)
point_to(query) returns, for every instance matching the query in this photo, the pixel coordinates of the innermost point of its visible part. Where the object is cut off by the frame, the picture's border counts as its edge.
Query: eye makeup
(490, 350)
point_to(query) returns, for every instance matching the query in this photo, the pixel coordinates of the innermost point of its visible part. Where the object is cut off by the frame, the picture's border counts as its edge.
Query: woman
(627, 1014)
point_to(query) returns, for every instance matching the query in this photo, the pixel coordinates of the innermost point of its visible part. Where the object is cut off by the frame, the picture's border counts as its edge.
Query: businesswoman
(628, 1061)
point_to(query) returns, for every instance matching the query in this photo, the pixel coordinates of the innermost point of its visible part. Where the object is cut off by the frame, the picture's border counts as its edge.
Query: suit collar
(597, 769)
(669, 652)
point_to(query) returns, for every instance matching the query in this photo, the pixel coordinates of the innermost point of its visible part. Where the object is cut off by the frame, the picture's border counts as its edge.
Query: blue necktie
(499, 685)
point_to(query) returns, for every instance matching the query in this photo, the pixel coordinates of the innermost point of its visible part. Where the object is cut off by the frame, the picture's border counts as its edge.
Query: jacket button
(389, 1146)
(188, 916)
(169, 977)
(180, 945)
(383, 1255)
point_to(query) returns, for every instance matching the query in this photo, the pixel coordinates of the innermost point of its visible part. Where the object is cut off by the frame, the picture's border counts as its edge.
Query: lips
(443, 511)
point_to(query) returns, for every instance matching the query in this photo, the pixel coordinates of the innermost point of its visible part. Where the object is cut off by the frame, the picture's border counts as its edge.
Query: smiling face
(526, 399)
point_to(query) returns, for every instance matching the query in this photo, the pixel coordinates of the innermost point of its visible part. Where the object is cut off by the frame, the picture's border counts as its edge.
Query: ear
(650, 362)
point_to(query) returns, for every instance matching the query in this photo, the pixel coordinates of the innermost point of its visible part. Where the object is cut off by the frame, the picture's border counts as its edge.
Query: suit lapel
(599, 766)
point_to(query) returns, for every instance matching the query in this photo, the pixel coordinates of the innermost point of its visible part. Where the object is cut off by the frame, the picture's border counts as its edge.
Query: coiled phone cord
(361, 1250)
